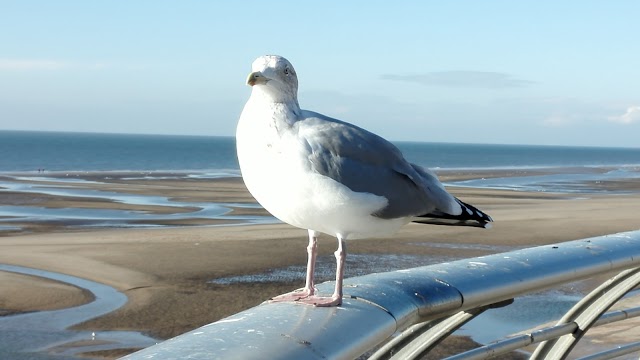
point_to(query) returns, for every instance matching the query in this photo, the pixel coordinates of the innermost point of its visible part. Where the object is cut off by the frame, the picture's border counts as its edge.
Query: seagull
(329, 176)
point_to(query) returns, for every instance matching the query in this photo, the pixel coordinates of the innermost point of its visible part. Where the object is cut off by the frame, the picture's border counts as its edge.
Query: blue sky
(515, 72)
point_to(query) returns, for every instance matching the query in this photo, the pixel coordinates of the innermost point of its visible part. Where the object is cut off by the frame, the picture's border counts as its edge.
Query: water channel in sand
(44, 335)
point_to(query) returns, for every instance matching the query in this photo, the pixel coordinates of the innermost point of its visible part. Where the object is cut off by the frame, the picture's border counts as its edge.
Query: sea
(26, 151)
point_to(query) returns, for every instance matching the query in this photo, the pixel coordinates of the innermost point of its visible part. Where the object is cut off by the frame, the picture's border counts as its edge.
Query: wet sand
(165, 272)
(31, 293)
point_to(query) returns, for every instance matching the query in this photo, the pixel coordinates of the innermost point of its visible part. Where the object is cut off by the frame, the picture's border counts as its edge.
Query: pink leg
(312, 253)
(336, 298)
(309, 288)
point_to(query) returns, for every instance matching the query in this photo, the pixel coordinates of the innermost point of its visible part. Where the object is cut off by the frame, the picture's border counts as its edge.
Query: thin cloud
(47, 65)
(462, 79)
(23, 64)
(630, 116)
(559, 120)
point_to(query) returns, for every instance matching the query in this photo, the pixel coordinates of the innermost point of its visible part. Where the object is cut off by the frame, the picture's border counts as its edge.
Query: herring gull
(328, 176)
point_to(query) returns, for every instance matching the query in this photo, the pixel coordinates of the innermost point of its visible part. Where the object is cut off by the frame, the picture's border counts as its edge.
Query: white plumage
(328, 176)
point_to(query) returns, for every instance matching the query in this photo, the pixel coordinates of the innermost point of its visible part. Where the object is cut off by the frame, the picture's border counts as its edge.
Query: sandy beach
(166, 272)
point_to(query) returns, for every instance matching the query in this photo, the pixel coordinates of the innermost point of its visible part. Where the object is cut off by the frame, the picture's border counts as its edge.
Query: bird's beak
(256, 78)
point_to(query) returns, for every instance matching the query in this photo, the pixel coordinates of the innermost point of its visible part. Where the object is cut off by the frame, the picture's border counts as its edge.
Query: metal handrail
(587, 311)
(614, 353)
(377, 306)
(515, 342)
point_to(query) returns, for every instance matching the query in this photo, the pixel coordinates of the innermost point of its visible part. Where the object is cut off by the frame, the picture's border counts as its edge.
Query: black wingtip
(473, 213)
(470, 216)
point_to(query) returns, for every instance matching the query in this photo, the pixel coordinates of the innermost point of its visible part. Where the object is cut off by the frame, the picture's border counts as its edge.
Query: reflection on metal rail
(404, 314)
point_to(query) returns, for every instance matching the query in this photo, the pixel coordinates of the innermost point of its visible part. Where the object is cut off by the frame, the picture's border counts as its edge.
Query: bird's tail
(470, 216)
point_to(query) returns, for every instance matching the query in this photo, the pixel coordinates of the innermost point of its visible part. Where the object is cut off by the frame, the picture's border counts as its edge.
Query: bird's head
(275, 77)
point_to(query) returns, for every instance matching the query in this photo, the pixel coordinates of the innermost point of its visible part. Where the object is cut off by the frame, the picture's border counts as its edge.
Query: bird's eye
(286, 71)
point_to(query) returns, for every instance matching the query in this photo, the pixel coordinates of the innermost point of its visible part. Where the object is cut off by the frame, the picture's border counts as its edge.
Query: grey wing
(365, 162)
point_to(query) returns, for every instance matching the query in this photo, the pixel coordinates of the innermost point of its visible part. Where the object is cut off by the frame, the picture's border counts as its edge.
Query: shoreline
(166, 272)
(79, 201)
